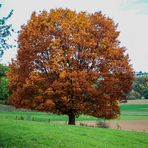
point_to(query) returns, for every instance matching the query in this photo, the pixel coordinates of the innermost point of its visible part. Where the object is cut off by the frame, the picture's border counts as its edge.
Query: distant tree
(134, 95)
(70, 63)
(3, 70)
(141, 86)
(4, 92)
(5, 32)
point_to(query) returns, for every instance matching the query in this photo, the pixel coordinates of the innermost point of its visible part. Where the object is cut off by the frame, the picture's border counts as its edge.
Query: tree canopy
(70, 63)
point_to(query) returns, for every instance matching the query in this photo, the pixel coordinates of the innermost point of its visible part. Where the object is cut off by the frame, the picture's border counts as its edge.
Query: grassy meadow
(21, 129)
(31, 134)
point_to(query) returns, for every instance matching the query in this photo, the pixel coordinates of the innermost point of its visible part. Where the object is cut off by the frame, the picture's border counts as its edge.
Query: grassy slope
(22, 134)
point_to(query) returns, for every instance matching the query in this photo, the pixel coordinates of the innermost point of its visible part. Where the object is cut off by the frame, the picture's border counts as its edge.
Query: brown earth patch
(130, 125)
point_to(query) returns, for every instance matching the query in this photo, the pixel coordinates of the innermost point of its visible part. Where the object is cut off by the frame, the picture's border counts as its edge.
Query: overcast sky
(131, 15)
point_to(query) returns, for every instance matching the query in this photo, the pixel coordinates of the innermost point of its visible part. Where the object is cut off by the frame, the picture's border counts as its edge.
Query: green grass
(36, 116)
(39, 116)
(131, 107)
(9, 112)
(19, 129)
(31, 134)
(134, 111)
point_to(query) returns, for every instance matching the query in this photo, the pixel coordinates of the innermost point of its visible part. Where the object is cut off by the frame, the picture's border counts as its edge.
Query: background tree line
(139, 91)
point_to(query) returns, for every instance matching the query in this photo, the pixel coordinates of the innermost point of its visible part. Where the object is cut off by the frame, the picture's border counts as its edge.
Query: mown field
(21, 129)
(134, 111)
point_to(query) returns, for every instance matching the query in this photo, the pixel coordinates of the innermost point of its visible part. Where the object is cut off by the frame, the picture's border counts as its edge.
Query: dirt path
(130, 125)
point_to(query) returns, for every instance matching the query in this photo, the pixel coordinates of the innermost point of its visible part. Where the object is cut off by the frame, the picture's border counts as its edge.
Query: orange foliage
(70, 63)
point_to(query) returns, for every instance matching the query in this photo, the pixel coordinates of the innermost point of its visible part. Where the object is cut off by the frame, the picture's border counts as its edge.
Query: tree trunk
(71, 119)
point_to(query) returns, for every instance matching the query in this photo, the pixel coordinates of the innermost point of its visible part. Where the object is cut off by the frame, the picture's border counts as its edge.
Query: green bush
(4, 92)
(141, 86)
(140, 89)
(133, 95)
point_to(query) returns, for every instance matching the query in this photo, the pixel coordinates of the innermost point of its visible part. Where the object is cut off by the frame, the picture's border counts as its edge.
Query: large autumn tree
(70, 63)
